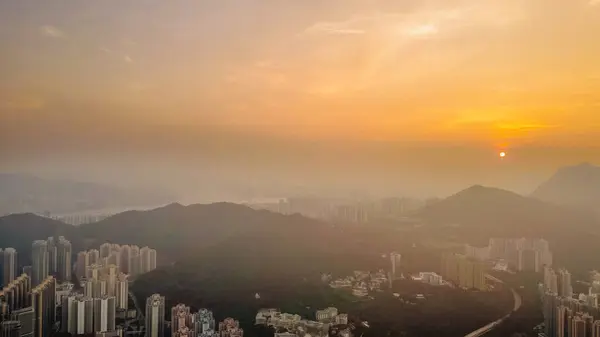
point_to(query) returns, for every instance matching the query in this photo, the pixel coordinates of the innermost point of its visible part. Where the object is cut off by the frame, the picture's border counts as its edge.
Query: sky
(401, 96)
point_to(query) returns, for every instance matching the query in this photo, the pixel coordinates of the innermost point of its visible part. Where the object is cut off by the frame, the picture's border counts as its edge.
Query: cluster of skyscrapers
(185, 323)
(51, 257)
(105, 291)
(522, 254)
(8, 266)
(131, 260)
(565, 315)
(334, 209)
(104, 276)
(464, 272)
(27, 311)
(29, 302)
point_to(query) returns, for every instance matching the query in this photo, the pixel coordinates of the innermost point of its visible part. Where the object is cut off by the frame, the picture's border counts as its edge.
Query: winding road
(487, 328)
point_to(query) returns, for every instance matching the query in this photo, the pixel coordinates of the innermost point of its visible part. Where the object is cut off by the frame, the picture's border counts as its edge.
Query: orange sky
(500, 74)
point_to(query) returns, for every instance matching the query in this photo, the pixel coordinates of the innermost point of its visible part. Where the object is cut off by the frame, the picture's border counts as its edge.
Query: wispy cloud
(594, 2)
(525, 126)
(116, 54)
(334, 28)
(51, 31)
(421, 30)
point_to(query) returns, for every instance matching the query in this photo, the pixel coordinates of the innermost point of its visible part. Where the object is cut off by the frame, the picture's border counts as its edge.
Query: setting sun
(502, 154)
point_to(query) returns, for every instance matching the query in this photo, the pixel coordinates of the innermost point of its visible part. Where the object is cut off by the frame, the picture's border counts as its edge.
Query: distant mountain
(575, 186)
(180, 232)
(20, 230)
(22, 193)
(478, 213)
(502, 212)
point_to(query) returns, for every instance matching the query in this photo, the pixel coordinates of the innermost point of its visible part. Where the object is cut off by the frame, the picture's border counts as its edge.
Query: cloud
(116, 54)
(51, 31)
(525, 126)
(335, 28)
(594, 2)
(422, 30)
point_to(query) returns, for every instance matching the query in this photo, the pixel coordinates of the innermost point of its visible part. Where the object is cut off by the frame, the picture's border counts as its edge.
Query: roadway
(489, 327)
(139, 319)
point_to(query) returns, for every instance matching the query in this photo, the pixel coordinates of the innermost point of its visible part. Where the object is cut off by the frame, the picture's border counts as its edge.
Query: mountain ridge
(576, 186)
(23, 193)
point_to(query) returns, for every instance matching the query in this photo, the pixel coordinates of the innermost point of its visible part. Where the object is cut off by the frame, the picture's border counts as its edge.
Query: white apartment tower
(105, 249)
(39, 262)
(396, 260)
(124, 263)
(94, 256)
(63, 256)
(52, 256)
(122, 292)
(83, 262)
(78, 315)
(104, 313)
(9, 264)
(155, 316)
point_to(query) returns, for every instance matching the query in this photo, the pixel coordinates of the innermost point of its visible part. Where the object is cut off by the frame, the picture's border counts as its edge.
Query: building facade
(155, 316)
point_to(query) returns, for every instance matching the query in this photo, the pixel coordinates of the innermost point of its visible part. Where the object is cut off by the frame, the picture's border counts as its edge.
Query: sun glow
(502, 154)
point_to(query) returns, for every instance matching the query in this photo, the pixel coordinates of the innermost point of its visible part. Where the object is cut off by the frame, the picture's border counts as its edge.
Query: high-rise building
(135, 262)
(52, 256)
(105, 249)
(26, 317)
(94, 271)
(464, 272)
(9, 265)
(40, 262)
(550, 280)
(16, 294)
(579, 325)
(477, 253)
(205, 322)
(596, 329)
(563, 321)
(182, 321)
(95, 288)
(529, 260)
(124, 263)
(155, 316)
(83, 262)
(230, 328)
(565, 289)
(122, 292)
(77, 315)
(94, 256)
(10, 329)
(396, 260)
(104, 313)
(64, 256)
(152, 257)
(43, 301)
(114, 258)
(1, 267)
(550, 304)
(145, 260)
